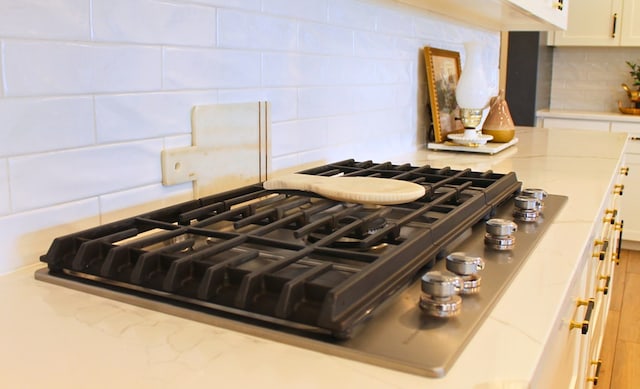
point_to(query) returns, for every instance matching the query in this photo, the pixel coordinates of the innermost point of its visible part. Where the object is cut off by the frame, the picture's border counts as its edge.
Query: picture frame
(443, 73)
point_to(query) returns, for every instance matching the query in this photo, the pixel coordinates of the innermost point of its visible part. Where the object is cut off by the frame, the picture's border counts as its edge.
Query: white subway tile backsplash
(395, 22)
(39, 124)
(350, 71)
(51, 19)
(234, 4)
(164, 22)
(353, 14)
(325, 39)
(325, 101)
(375, 97)
(54, 68)
(5, 200)
(237, 29)
(375, 45)
(289, 70)
(306, 10)
(46, 179)
(146, 115)
(209, 68)
(289, 136)
(25, 236)
(284, 101)
(120, 205)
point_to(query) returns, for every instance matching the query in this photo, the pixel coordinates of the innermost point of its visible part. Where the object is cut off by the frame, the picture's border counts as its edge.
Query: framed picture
(443, 72)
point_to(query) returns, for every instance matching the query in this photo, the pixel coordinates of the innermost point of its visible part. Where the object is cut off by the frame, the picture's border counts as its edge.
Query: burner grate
(281, 254)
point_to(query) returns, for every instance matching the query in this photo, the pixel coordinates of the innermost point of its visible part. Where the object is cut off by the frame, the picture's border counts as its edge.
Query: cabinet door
(592, 23)
(576, 124)
(630, 31)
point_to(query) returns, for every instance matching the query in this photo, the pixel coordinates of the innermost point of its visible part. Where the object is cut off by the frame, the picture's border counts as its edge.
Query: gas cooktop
(293, 266)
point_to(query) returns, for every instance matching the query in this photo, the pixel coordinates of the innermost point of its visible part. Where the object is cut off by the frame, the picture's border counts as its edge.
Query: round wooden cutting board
(362, 190)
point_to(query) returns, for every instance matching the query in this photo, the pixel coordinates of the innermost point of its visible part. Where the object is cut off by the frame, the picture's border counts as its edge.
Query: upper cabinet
(601, 23)
(502, 15)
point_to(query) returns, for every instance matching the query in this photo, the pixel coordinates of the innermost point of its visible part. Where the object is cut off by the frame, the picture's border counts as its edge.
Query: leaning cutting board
(363, 190)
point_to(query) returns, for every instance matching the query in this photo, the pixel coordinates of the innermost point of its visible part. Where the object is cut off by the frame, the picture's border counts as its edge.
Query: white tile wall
(589, 78)
(167, 23)
(89, 95)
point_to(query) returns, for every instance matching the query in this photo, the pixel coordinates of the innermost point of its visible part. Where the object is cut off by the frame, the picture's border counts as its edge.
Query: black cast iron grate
(286, 257)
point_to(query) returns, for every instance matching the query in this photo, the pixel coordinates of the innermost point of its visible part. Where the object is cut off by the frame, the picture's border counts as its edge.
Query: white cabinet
(502, 15)
(572, 354)
(611, 123)
(601, 23)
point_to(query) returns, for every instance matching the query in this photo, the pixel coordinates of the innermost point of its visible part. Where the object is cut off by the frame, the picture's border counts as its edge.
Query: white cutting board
(230, 148)
(363, 190)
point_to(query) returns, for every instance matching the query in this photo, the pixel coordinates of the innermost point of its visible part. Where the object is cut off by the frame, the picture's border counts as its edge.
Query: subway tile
(351, 71)
(306, 10)
(208, 68)
(296, 136)
(237, 29)
(325, 39)
(395, 22)
(51, 19)
(25, 236)
(55, 68)
(324, 101)
(374, 97)
(42, 180)
(146, 115)
(375, 45)
(164, 22)
(394, 71)
(284, 101)
(127, 203)
(236, 4)
(177, 141)
(353, 14)
(33, 125)
(5, 200)
(294, 70)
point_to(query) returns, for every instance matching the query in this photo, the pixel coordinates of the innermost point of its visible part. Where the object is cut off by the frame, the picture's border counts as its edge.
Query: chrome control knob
(527, 208)
(499, 234)
(467, 268)
(439, 294)
(440, 284)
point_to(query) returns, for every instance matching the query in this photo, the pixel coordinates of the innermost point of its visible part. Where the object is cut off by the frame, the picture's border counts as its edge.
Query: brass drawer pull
(605, 288)
(584, 324)
(594, 379)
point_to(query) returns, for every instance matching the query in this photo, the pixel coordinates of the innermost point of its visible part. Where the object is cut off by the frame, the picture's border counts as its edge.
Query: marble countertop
(57, 337)
(588, 115)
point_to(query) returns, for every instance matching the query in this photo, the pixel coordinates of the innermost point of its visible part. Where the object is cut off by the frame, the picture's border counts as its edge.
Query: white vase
(472, 91)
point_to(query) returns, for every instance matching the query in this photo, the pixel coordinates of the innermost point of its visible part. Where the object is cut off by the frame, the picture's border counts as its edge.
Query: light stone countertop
(55, 337)
(588, 115)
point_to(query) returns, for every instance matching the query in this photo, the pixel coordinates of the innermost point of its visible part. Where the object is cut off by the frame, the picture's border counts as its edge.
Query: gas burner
(527, 208)
(440, 294)
(498, 236)
(467, 268)
(367, 221)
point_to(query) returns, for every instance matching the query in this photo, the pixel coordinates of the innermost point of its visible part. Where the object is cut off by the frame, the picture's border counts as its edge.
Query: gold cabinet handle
(615, 22)
(605, 288)
(624, 171)
(618, 189)
(584, 324)
(559, 5)
(594, 379)
(600, 254)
